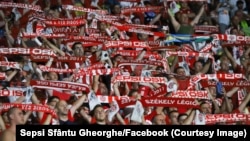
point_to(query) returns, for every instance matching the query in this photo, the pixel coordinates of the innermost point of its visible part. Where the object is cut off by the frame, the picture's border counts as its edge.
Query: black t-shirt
(67, 122)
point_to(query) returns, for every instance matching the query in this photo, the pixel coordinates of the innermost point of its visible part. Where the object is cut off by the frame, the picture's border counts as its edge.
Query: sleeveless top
(185, 29)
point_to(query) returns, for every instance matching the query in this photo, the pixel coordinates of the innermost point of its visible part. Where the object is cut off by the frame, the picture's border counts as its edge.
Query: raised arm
(8, 35)
(197, 18)
(2, 124)
(190, 118)
(78, 104)
(206, 67)
(155, 19)
(216, 106)
(52, 46)
(13, 73)
(116, 89)
(175, 23)
(230, 57)
(27, 10)
(244, 103)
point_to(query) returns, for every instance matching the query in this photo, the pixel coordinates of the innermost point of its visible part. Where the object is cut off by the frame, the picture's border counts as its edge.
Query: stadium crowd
(124, 62)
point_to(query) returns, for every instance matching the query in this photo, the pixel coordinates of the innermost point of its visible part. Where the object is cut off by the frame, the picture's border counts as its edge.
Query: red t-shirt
(183, 84)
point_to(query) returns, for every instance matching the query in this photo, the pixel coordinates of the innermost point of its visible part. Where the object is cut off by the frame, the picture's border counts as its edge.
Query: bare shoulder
(7, 135)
